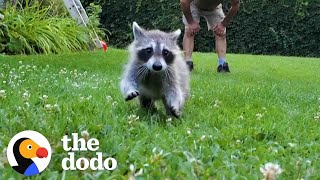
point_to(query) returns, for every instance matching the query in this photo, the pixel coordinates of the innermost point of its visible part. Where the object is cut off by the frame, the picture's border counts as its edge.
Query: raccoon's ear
(175, 35)
(137, 31)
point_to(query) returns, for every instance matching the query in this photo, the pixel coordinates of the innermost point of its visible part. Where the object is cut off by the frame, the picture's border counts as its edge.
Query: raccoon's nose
(157, 66)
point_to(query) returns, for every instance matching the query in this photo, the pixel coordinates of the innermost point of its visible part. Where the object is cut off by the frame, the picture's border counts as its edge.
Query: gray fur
(171, 84)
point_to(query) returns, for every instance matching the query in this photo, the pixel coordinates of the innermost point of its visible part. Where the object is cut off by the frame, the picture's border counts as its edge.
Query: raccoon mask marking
(156, 70)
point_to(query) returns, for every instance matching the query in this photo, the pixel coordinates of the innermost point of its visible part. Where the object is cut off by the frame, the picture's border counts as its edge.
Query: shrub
(35, 28)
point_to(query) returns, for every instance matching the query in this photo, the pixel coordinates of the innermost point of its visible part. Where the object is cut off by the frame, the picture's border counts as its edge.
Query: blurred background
(277, 27)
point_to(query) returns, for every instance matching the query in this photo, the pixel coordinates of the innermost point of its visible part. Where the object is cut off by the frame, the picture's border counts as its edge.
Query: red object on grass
(104, 45)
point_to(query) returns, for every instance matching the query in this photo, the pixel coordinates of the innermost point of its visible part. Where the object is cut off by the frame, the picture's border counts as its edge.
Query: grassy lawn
(264, 111)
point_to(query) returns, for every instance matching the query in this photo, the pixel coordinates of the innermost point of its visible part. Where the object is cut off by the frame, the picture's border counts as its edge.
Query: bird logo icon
(29, 153)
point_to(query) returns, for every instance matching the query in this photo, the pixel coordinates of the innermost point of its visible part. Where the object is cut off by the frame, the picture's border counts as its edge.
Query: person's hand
(220, 29)
(193, 28)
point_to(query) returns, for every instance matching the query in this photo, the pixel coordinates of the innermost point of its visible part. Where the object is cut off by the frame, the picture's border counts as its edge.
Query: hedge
(279, 27)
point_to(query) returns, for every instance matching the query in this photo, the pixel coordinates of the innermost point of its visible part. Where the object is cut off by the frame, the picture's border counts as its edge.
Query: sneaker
(226, 67)
(220, 69)
(190, 65)
(223, 68)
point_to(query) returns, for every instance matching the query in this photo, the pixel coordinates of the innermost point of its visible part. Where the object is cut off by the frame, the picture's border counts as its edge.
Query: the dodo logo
(29, 153)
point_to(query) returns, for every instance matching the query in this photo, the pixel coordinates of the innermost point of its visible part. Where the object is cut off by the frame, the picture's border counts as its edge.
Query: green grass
(264, 111)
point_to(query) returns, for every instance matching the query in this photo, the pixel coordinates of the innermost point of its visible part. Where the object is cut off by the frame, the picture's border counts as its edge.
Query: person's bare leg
(188, 46)
(221, 46)
(221, 49)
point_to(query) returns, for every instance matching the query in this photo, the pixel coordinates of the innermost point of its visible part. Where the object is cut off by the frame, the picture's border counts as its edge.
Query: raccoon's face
(155, 49)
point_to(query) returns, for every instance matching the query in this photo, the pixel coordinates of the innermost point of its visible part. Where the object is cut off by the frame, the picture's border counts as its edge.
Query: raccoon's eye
(149, 50)
(165, 52)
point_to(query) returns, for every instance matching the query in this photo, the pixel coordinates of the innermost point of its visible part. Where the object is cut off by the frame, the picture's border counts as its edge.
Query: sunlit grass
(266, 110)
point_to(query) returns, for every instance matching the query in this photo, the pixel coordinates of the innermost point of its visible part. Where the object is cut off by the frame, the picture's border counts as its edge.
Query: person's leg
(188, 40)
(221, 48)
(188, 45)
(213, 18)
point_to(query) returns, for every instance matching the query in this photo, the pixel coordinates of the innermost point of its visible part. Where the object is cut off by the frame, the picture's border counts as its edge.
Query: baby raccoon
(156, 70)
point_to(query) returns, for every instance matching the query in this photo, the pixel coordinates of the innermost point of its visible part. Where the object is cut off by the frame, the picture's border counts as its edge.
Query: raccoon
(156, 70)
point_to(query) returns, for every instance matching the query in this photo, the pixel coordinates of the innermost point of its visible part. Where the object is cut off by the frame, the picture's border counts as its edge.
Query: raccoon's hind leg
(145, 102)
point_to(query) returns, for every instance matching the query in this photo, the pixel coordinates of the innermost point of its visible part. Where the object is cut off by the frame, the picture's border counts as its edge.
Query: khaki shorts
(212, 17)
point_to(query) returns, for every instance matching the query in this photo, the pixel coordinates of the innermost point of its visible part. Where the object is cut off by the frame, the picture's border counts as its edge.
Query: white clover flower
(25, 95)
(132, 168)
(114, 103)
(108, 98)
(203, 137)
(308, 162)
(85, 134)
(139, 173)
(270, 171)
(89, 98)
(44, 97)
(75, 84)
(133, 117)
(56, 107)
(63, 71)
(154, 150)
(27, 104)
(169, 120)
(259, 116)
(3, 94)
(291, 144)
(217, 103)
(160, 152)
(48, 106)
(189, 132)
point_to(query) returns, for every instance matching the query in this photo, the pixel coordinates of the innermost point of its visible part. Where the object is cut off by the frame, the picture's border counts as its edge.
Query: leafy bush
(35, 28)
(285, 27)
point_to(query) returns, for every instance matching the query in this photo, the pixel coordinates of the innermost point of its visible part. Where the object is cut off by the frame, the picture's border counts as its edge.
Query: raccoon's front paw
(175, 112)
(132, 95)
